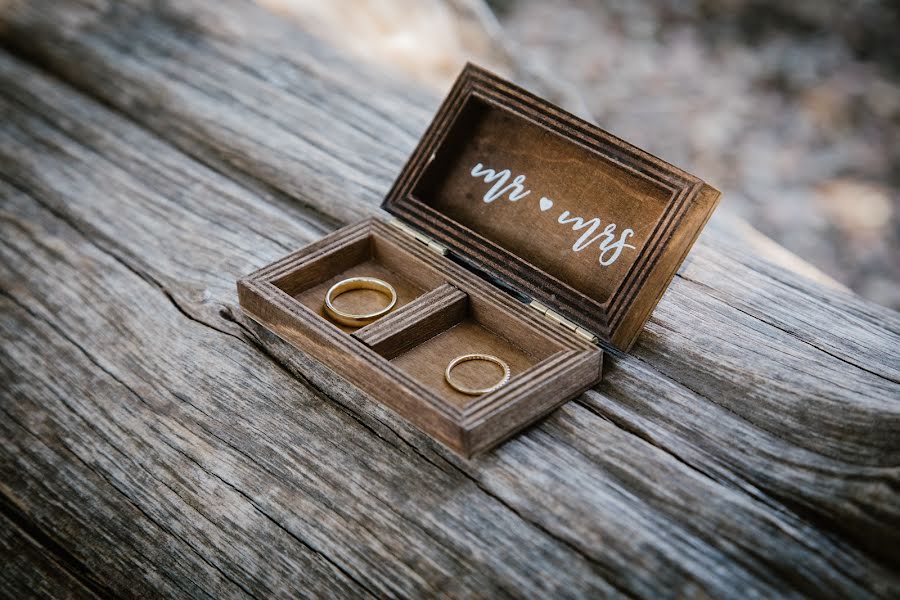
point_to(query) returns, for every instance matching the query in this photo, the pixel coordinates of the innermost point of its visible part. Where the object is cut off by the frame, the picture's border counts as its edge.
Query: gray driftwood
(154, 442)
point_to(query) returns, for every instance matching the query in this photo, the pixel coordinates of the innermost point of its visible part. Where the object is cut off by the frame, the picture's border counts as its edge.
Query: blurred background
(792, 109)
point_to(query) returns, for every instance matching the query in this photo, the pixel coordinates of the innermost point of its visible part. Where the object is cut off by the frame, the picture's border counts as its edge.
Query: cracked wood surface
(156, 442)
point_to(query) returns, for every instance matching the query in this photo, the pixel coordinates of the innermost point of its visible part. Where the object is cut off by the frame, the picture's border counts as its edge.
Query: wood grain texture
(34, 566)
(165, 445)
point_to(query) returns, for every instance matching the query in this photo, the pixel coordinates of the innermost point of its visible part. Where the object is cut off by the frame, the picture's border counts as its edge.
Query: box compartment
(443, 311)
(370, 255)
(427, 334)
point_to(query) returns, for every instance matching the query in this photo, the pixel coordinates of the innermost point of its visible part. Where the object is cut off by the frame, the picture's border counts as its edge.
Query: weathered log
(160, 443)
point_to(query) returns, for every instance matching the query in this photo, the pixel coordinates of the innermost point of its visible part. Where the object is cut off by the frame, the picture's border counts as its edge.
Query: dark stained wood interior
(561, 175)
(552, 206)
(366, 257)
(426, 362)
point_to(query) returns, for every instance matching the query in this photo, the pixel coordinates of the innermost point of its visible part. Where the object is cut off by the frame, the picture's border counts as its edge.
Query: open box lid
(550, 205)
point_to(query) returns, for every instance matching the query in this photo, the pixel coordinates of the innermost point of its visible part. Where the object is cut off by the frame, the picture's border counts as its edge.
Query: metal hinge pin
(418, 235)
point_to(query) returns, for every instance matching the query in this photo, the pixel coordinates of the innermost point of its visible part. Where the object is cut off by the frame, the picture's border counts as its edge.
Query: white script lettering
(606, 237)
(516, 189)
(610, 244)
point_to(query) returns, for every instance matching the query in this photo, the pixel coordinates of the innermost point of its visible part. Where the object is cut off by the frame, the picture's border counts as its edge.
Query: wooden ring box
(521, 231)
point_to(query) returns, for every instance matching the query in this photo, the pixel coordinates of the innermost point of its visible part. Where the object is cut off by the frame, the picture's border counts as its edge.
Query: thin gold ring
(358, 283)
(477, 391)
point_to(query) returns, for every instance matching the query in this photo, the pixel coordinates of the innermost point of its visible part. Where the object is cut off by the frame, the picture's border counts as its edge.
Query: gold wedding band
(358, 283)
(477, 391)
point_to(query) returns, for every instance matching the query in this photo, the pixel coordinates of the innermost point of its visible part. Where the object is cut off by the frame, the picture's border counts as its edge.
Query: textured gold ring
(477, 391)
(358, 283)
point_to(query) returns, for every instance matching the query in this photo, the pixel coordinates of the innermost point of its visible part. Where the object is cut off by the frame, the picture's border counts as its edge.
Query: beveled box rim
(618, 319)
(467, 431)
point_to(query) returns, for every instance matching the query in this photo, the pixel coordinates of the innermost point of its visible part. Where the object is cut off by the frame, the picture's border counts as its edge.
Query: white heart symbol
(546, 204)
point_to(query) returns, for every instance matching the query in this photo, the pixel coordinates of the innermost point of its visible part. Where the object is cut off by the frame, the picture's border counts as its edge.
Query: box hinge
(554, 316)
(433, 245)
(544, 310)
